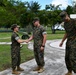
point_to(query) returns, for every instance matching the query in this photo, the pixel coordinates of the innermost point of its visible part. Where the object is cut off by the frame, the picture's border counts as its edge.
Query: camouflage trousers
(39, 56)
(70, 57)
(15, 56)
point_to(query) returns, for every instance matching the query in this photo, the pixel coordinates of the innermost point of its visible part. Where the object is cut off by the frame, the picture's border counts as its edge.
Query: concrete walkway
(56, 43)
(54, 61)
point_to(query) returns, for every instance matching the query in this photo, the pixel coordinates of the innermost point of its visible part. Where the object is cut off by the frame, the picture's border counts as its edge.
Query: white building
(73, 16)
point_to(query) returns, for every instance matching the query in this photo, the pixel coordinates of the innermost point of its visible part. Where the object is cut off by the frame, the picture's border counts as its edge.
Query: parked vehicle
(58, 27)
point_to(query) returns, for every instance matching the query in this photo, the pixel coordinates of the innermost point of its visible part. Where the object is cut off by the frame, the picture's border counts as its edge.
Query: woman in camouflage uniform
(15, 49)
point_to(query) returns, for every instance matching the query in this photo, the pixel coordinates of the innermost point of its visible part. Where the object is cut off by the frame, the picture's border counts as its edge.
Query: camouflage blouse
(14, 39)
(70, 28)
(38, 33)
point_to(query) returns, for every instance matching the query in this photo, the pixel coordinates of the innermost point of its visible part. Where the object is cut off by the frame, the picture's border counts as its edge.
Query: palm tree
(47, 7)
(69, 10)
(33, 7)
(58, 7)
(53, 7)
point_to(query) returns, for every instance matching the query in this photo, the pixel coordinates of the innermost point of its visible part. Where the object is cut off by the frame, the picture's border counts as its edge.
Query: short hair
(14, 26)
(35, 19)
(63, 14)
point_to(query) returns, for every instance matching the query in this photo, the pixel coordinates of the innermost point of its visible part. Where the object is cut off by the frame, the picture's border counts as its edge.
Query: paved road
(54, 62)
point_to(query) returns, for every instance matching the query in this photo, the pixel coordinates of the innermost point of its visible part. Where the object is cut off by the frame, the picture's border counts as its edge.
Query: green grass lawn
(5, 56)
(50, 36)
(57, 35)
(54, 36)
(6, 37)
(5, 34)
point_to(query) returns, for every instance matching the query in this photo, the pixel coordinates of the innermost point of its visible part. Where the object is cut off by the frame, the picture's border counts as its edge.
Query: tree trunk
(53, 29)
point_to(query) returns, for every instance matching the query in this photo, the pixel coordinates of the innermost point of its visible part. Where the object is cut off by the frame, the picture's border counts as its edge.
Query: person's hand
(26, 41)
(42, 48)
(60, 45)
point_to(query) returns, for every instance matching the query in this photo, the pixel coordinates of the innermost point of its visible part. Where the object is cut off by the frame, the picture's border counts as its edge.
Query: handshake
(26, 40)
(21, 41)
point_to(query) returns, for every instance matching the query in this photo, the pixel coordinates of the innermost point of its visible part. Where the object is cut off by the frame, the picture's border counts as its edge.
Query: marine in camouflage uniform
(39, 37)
(15, 50)
(38, 40)
(70, 57)
(70, 54)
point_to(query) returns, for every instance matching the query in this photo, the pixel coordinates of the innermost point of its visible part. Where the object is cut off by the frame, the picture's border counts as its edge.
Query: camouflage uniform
(38, 40)
(15, 50)
(70, 56)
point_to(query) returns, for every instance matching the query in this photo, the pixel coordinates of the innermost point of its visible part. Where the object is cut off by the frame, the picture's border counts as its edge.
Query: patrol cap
(63, 14)
(14, 26)
(35, 19)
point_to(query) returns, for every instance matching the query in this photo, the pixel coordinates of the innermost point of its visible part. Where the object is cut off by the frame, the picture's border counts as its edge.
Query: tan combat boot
(69, 73)
(15, 72)
(41, 70)
(19, 69)
(36, 69)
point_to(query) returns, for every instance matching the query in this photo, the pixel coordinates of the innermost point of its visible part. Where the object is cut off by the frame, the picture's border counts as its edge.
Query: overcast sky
(64, 3)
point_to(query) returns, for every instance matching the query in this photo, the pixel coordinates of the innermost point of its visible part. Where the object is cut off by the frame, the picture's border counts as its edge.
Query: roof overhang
(73, 16)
